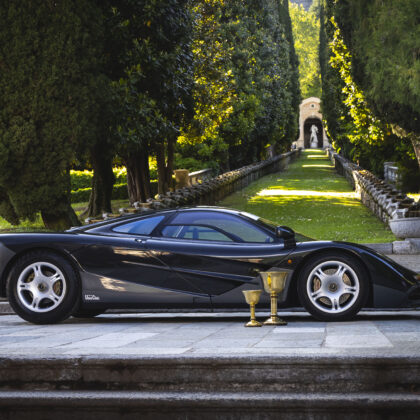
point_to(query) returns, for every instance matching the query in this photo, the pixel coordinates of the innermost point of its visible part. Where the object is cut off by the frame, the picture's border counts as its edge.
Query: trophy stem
(273, 304)
(253, 322)
(274, 319)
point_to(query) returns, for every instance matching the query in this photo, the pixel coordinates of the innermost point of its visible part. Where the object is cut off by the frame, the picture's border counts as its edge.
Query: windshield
(268, 224)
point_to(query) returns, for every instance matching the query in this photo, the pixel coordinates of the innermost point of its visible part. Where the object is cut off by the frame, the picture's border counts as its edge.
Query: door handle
(140, 241)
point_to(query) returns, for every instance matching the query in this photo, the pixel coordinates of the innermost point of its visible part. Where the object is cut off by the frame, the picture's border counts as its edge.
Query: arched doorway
(307, 132)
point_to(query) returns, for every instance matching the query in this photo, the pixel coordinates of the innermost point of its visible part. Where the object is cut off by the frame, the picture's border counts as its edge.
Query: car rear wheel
(333, 287)
(43, 288)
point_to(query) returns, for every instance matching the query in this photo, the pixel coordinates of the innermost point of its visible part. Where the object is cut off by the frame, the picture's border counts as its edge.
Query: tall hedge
(358, 131)
(383, 39)
(49, 59)
(246, 91)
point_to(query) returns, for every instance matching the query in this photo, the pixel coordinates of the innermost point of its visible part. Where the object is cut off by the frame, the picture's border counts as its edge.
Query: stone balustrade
(200, 176)
(383, 199)
(211, 190)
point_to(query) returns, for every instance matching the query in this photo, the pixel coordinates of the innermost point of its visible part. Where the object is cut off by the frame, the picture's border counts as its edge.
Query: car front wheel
(333, 287)
(43, 288)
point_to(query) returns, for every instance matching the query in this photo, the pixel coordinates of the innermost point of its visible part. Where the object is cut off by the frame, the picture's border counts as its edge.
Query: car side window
(232, 225)
(199, 233)
(140, 227)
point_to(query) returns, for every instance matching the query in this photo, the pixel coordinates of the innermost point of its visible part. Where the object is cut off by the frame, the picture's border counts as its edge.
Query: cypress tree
(383, 39)
(295, 89)
(49, 81)
(352, 123)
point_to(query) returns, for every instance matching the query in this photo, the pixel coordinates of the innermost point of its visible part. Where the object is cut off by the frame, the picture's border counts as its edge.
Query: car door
(207, 249)
(120, 267)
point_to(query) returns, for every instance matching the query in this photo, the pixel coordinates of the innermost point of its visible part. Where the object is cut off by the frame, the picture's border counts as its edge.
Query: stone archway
(309, 122)
(310, 113)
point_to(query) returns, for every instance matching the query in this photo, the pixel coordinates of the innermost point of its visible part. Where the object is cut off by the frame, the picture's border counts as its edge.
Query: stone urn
(181, 178)
(405, 227)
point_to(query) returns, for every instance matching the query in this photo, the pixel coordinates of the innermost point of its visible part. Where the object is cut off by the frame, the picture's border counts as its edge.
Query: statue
(314, 137)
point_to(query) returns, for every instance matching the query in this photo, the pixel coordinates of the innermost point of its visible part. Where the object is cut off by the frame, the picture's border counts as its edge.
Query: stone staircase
(196, 387)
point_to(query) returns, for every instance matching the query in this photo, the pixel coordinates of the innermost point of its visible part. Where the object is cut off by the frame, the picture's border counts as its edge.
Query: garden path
(313, 199)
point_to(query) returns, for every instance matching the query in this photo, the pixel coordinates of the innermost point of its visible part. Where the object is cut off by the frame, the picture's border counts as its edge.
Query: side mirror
(285, 232)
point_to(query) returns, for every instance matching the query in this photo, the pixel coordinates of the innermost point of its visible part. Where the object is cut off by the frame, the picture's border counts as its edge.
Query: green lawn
(312, 199)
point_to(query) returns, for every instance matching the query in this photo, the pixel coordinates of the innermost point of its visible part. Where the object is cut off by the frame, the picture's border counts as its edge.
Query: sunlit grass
(315, 166)
(312, 199)
(274, 192)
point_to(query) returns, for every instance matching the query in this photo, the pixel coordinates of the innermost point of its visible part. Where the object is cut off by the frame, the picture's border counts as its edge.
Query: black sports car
(201, 257)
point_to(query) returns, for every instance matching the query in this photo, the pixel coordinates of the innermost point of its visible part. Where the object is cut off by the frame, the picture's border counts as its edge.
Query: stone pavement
(384, 334)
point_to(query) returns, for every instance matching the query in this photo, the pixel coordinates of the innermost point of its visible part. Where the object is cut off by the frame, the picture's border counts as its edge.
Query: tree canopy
(90, 82)
(356, 121)
(246, 91)
(51, 57)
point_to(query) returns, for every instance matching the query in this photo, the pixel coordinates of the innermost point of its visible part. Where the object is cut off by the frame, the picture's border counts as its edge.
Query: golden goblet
(252, 297)
(274, 283)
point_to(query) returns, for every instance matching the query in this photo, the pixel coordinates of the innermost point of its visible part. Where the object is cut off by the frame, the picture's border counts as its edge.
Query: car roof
(152, 212)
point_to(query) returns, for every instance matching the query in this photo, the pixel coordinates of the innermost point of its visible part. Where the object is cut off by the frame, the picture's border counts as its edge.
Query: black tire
(86, 313)
(28, 291)
(327, 300)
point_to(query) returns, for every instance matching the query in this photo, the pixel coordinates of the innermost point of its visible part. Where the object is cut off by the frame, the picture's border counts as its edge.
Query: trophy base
(253, 323)
(275, 320)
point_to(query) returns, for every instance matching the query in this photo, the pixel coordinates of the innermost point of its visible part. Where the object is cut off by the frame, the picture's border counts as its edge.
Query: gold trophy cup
(274, 282)
(252, 297)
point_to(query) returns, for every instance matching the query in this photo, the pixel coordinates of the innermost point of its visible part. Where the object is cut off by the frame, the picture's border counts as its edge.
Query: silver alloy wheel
(333, 286)
(41, 287)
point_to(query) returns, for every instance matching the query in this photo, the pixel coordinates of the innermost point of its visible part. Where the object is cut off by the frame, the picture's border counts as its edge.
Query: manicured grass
(314, 200)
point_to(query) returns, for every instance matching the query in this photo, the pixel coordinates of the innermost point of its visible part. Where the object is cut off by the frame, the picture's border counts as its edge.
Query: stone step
(128, 405)
(279, 374)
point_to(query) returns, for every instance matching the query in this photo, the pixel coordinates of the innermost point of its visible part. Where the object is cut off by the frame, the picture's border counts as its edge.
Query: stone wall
(210, 191)
(384, 200)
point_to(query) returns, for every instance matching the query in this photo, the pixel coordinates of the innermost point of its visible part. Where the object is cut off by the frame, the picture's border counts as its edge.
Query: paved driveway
(379, 333)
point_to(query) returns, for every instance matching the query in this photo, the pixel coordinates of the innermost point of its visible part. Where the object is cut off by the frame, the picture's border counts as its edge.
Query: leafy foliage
(244, 94)
(383, 37)
(357, 131)
(86, 81)
(83, 179)
(50, 100)
(155, 89)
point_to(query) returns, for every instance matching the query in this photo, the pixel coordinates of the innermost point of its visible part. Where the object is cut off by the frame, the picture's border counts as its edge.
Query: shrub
(118, 193)
(83, 179)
